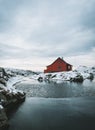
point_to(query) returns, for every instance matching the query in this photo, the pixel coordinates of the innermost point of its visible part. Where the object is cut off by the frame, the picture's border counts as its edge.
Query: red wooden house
(57, 66)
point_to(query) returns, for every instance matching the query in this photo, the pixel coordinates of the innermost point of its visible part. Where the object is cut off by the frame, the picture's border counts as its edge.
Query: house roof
(60, 60)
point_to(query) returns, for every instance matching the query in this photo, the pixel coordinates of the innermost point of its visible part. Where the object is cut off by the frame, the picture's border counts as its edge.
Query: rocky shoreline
(78, 75)
(9, 97)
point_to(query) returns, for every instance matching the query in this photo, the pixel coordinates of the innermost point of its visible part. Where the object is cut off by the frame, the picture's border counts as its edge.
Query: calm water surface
(57, 90)
(55, 114)
(55, 106)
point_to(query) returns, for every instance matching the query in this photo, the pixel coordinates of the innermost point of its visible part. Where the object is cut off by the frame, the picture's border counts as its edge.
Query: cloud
(8, 10)
(88, 17)
(9, 51)
(32, 30)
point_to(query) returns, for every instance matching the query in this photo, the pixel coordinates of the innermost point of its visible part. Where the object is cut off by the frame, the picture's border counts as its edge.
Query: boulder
(91, 76)
(3, 119)
(78, 78)
(3, 81)
(40, 79)
(9, 98)
(3, 74)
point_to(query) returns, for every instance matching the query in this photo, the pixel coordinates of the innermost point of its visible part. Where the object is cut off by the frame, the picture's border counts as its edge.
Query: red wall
(58, 66)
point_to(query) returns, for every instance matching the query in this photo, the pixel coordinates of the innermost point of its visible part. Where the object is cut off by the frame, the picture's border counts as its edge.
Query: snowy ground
(20, 76)
(59, 76)
(7, 85)
(83, 71)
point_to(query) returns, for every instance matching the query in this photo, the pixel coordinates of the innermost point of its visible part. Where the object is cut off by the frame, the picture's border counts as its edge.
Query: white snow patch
(11, 84)
(1, 107)
(66, 76)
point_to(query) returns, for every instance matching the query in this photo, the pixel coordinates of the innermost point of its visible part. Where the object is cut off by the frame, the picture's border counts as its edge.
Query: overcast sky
(33, 33)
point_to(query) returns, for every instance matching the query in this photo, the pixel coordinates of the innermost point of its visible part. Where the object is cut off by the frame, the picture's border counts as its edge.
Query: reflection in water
(58, 90)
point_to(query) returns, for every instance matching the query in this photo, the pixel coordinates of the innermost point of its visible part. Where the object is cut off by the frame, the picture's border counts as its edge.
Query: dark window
(69, 67)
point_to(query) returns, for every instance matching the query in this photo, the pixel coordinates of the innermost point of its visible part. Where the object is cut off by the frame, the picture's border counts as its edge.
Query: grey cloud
(8, 10)
(8, 52)
(57, 34)
(49, 28)
(88, 16)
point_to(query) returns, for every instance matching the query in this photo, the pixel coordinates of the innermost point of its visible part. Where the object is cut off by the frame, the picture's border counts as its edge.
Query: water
(54, 114)
(55, 106)
(57, 90)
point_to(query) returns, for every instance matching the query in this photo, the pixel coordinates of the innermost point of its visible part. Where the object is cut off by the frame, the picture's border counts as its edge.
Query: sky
(34, 33)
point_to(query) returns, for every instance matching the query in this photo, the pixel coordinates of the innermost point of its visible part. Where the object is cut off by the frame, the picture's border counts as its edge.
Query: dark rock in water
(40, 79)
(3, 119)
(12, 99)
(54, 76)
(20, 97)
(78, 78)
(91, 77)
(8, 99)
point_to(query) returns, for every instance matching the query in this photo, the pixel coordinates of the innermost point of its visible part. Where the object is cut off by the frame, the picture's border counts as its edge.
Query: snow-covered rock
(10, 77)
(77, 75)
(3, 118)
(8, 94)
(19, 72)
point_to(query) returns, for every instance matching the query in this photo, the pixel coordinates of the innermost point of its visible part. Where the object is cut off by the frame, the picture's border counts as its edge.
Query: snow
(1, 107)
(16, 76)
(83, 71)
(10, 86)
(19, 72)
(11, 82)
(14, 80)
(21, 75)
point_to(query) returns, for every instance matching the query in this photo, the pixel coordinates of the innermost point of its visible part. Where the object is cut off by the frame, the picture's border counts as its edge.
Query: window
(69, 67)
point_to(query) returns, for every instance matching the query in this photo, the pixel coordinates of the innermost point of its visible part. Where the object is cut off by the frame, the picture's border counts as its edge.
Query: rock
(9, 98)
(3, 74)
(20, 97)
(3, 81)
(3, 119)
(40, 79)
(91, 76)
(78, 78)
(54, 76)
(3, 98)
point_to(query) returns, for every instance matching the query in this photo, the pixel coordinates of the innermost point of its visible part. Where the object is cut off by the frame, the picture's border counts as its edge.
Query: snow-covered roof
(59, 59)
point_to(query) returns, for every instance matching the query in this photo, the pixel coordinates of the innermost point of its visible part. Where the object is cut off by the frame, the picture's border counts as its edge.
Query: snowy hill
(13, 76)
(8, 94)
(77, 75)
(19, 72)
(10, 77)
